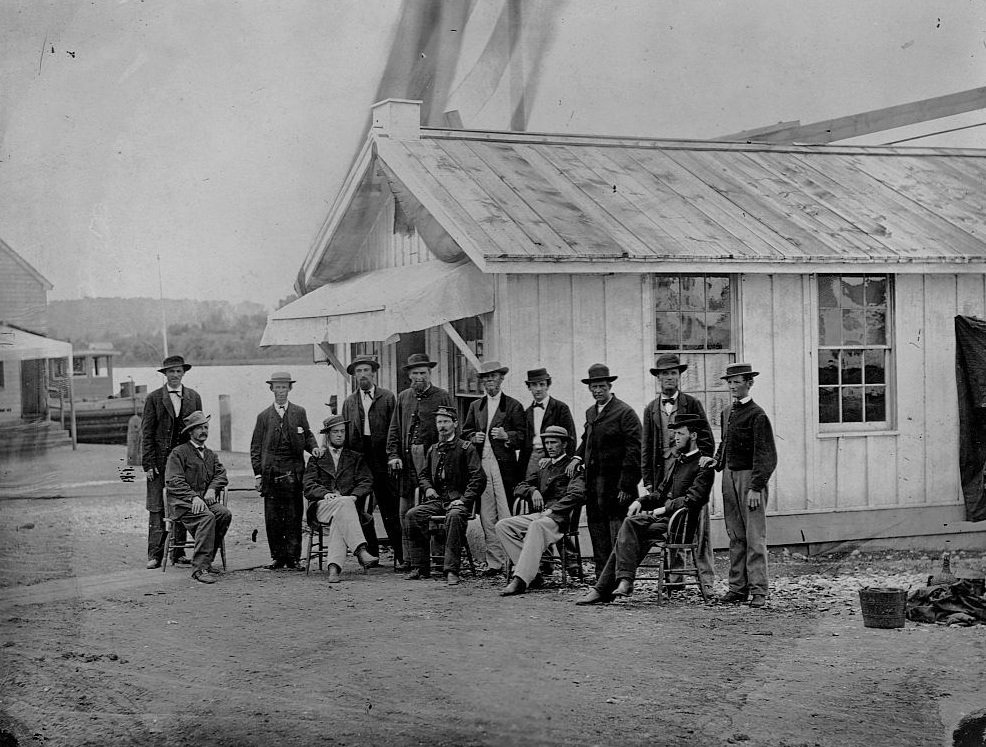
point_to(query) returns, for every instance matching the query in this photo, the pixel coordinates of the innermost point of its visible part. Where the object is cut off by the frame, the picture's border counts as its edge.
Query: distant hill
(203, 331)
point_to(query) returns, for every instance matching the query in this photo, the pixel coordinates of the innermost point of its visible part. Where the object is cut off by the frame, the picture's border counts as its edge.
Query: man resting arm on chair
(685, 485)
(193, 478)
(334, 481)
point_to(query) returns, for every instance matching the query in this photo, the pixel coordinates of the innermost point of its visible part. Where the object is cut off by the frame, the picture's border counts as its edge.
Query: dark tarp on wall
(970, 375)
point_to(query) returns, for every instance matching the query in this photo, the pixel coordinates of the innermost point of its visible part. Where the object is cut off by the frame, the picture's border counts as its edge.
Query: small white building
(836, 270)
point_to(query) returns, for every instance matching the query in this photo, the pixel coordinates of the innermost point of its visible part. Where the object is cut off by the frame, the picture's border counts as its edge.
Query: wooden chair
(189, 544)
(436, 540)
(316, 535)
(560, 553)
(681, 541)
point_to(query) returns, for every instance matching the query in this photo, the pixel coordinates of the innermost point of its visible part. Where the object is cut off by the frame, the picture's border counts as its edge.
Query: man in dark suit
(281, 437)
(495, 426)
(412, 430)
(369, 410)
(545, 410)
(451, 481)
(194, 477)
(335, 481)
(554, 497)
(659, 444)
(161, 431)
(686, 484)
(610, 454)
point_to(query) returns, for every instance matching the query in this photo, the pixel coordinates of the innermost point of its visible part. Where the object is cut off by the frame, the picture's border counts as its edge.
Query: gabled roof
(6, 249)
(522, 202)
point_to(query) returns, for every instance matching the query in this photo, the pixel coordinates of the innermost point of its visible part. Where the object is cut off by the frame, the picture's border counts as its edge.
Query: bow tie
(666, 401)
(539, 404)
(176, 392)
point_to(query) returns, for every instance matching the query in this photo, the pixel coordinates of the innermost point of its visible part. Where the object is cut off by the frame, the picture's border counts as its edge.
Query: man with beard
(610, 453)
(495, 426)
(281, 437)
(194, 476)
(369, 411)
(335, 482)
(161, 431)
(451, 481)
(659, 445)
(412, 431)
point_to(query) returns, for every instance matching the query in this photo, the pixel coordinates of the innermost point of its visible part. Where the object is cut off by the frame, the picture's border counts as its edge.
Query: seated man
(685, 484)
(554, 496)
(451, 482)
(334, 481)
(193, 477)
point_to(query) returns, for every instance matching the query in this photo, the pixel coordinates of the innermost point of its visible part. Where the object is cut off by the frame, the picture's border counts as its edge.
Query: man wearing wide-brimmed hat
(194, 477)
(554, 497)
(161, 431)
(610, 453)
(495, 427)
(747, 458)
(412, 430)
(545, 410)
(686, 484)
(281, 436)
(451, 481)
(335, 482)
(659, 442)
(369, 410)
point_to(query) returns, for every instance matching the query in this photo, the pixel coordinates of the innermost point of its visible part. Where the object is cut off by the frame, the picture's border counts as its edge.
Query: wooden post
(225, 424)
(71, 404)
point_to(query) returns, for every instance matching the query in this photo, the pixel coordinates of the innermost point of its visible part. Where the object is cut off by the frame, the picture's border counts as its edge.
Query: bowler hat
(417, 360)
(537, 374)
(280, 377)
(682, 419)
(598, 372)
(331, 422)
(556, 431)
(666, 362)
(449, 412)
(491, 367)
(196, 418)
(368, 359)
(173, 360)
(739, 369)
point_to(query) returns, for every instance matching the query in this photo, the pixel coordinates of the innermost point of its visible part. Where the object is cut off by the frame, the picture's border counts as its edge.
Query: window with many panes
(465, 383)
(854, 350)
(694, 317)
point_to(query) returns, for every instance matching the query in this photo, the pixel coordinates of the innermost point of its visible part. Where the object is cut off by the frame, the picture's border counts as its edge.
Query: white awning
(18, 344)
(376, 305)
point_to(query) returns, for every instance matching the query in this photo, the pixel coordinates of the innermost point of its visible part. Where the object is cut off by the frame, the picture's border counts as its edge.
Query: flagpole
(164, 317)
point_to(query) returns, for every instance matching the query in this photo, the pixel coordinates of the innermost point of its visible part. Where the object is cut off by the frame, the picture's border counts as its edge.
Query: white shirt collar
(693, 451)
(745, 399)
(559, 458)
(175, 391)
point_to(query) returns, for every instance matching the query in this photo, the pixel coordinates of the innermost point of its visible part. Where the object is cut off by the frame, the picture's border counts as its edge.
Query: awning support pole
(457, 340)
(329, 349)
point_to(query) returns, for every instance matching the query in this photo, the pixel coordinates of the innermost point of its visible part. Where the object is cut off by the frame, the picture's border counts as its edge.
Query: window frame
(457, 360)
(888, 424)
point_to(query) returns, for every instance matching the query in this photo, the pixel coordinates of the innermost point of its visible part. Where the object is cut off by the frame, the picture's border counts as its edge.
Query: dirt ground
(96, 650)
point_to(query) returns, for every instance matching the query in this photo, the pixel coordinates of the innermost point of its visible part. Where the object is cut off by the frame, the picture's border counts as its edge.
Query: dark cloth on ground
(950, 603)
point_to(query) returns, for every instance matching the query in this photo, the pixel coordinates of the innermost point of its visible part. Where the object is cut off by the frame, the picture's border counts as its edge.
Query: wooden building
(836, 270)
(23, 292)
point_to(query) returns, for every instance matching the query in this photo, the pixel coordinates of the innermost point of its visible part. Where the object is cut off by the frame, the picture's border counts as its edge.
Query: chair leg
(222, 552)
(563, 554)
(578, 549)
(698, 576)
(311, 541)
(660, 575)
(167, 550)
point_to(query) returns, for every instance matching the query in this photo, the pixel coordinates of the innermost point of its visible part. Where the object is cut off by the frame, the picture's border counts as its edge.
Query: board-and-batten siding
(23, 298)
(383, 247)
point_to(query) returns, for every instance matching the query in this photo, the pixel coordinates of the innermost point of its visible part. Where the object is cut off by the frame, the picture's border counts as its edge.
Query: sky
(215, 135)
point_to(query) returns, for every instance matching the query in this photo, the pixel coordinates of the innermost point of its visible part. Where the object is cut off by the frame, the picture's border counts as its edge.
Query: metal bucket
(883, 607)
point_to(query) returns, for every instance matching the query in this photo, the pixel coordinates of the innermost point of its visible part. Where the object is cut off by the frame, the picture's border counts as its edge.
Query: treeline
(203, 331)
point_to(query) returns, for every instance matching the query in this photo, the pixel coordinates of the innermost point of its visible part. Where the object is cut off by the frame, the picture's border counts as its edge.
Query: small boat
(101, 417)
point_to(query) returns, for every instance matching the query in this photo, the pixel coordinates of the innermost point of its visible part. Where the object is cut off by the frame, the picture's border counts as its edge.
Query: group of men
(408, 454)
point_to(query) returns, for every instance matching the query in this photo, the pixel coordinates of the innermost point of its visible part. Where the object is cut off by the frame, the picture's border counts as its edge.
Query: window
(79, 366)
(853, 349)
(371, 349)
(694, 317)
(464, 380)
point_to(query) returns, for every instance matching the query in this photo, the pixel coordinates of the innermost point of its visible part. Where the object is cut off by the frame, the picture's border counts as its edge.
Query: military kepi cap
(556, 431)
(449, 412)
(174, 360)
(195, 419)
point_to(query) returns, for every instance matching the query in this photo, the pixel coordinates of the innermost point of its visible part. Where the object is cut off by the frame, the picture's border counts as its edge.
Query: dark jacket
(187, 476)
(747, 443)
(464, 480)
(686, 485)
(556, 413)
(381, 413)
(412, 410)
(509, 416)
(655, 451)
(159, 434)
(265, 440)
(562, 494)
(610, 452)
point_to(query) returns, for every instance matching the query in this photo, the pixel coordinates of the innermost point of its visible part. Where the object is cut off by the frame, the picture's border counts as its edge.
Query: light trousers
(493, 506)
(345, 529)
(525, 538)
(747, 532)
